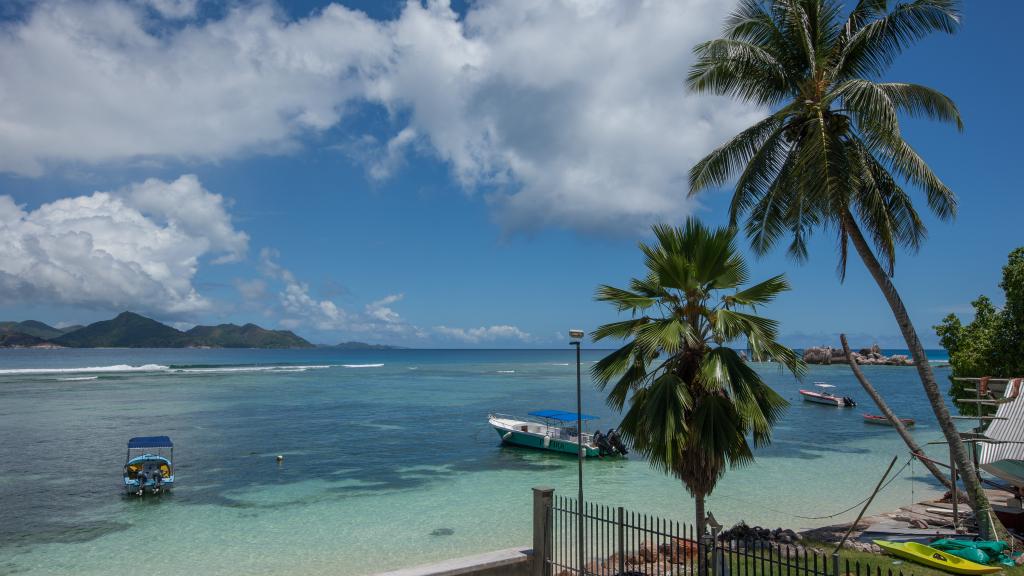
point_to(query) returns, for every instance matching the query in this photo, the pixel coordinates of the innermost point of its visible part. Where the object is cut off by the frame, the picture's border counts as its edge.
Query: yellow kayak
(935, 558)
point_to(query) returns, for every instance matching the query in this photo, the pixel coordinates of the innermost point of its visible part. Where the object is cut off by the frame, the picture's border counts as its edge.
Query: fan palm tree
(693, 401)
(831, 154)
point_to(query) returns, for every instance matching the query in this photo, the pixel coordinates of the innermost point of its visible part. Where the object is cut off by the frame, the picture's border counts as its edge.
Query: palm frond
(875, 45)
(760, 293)
(624, 299)
(923, 102)
(715, 169)
(739, 69)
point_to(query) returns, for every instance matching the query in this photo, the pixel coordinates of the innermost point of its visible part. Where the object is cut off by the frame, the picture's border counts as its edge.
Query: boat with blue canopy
(555, 430)
(149, 465)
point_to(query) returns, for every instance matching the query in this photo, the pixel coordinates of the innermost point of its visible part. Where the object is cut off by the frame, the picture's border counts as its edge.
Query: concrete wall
(510, 562)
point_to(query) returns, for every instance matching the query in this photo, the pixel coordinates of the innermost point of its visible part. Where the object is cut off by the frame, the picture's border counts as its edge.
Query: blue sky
(427, 175)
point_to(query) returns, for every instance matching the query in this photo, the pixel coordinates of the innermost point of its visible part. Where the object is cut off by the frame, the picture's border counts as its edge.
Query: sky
(430, 174)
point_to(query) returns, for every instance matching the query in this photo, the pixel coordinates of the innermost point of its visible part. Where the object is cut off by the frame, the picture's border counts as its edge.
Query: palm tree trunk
(896, 422)
(979, 502)
(701, 525)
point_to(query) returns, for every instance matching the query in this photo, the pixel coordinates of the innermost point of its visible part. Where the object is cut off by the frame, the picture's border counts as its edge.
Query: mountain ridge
(131, 330)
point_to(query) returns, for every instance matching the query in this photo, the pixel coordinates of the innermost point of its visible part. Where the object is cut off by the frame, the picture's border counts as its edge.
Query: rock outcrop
(867, 356)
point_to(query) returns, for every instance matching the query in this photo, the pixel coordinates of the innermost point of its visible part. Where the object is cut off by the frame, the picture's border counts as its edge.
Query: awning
(150, 442)
(561, 415)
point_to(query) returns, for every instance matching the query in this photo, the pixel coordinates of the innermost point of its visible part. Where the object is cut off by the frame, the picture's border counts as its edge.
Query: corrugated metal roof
(1011, 429)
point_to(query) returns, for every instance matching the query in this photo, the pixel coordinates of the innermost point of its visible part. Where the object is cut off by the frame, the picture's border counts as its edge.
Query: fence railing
(619, 542)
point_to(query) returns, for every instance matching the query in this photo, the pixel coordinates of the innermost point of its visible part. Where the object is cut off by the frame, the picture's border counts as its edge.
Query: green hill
(21, 340)
(248, 336)
(130, 330)
(127, 330)
(35, 328)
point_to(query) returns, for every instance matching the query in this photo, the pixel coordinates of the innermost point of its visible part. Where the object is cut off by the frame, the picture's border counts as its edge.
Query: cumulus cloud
(116, 250)
(483, 333)
(564, 112)
(173, 9)
(92, 82)
(296, 301)
(377, 320)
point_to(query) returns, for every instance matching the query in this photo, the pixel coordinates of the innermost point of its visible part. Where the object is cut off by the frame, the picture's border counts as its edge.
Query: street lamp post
(576, 337)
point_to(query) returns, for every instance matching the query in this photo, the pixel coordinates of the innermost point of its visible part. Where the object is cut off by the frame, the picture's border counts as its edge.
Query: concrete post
(542, 498)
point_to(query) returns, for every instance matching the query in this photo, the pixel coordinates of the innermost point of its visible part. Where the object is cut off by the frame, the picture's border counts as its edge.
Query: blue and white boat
(555, 430)
(149, 465)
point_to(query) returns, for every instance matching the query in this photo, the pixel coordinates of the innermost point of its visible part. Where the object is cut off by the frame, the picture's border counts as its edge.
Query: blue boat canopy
(561, 415)
(150, 442)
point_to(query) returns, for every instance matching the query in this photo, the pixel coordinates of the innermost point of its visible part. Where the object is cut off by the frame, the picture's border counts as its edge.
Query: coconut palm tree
(694, 403)
(830, 154)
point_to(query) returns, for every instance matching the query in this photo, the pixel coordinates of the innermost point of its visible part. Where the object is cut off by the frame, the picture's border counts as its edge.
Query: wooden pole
(888, 413)
(866, 504)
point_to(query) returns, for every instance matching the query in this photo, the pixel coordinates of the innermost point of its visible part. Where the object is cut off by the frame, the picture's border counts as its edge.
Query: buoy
(547, 441)
(280, 458)
(506, 435)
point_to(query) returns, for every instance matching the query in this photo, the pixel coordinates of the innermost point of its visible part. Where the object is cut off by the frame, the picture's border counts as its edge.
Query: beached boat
(824, 397)
(149, 465)
(935, 558)
(883, 421)
(555, 430)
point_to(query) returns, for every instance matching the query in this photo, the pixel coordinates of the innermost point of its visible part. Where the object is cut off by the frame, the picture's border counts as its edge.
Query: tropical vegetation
(831, 154)
(992, 344)
(693, 405)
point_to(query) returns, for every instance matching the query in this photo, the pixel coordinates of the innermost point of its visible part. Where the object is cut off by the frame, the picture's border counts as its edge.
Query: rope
(913, 499)
(840, 513)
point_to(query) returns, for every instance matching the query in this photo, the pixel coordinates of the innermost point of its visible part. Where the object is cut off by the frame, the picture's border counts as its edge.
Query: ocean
(388, 459)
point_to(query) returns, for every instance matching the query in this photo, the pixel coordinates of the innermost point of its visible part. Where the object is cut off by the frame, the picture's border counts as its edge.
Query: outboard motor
(158, 481)
(141, 477)
(604, 446)
(849, 401)
(616, 442)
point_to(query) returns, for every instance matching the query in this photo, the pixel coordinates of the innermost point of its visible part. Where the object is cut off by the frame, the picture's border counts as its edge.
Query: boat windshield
(149, 467)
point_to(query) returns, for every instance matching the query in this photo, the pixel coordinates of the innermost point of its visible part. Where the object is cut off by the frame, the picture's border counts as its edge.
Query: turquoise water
(381, 449)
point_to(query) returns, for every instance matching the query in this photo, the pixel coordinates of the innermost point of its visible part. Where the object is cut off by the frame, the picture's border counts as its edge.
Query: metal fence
(618, 542)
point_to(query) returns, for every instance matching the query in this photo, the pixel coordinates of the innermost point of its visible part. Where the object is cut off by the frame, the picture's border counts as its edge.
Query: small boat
(149, 465)
(935, 558)
(883, 421)
(827, 397)
(555, 430)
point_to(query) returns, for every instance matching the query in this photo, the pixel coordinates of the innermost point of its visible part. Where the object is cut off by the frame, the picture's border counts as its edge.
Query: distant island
(130, 330)
(362, 346)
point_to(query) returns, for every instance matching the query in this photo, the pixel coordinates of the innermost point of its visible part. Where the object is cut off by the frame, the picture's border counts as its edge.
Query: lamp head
(576, 335)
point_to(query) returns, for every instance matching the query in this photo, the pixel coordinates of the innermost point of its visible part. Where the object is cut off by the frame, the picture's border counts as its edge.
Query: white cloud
(193, 210)
(382, 311)
(483, 333)
(116, 250)
(377, 320)
(569, 113)
(173, 9)
(90, 82)
(296, 301)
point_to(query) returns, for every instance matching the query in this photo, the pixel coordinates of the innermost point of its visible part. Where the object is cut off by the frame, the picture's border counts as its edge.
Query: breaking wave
(157, 368)
(233, 369)
(362, 365)
(86, 370)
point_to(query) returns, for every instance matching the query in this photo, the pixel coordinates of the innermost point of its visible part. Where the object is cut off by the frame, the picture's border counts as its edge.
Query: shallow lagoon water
(382, 449)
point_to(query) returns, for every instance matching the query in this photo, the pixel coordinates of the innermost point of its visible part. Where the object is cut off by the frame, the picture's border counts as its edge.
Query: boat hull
(821, 399)
(935, 558)
(883, 421)
(542, 442)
